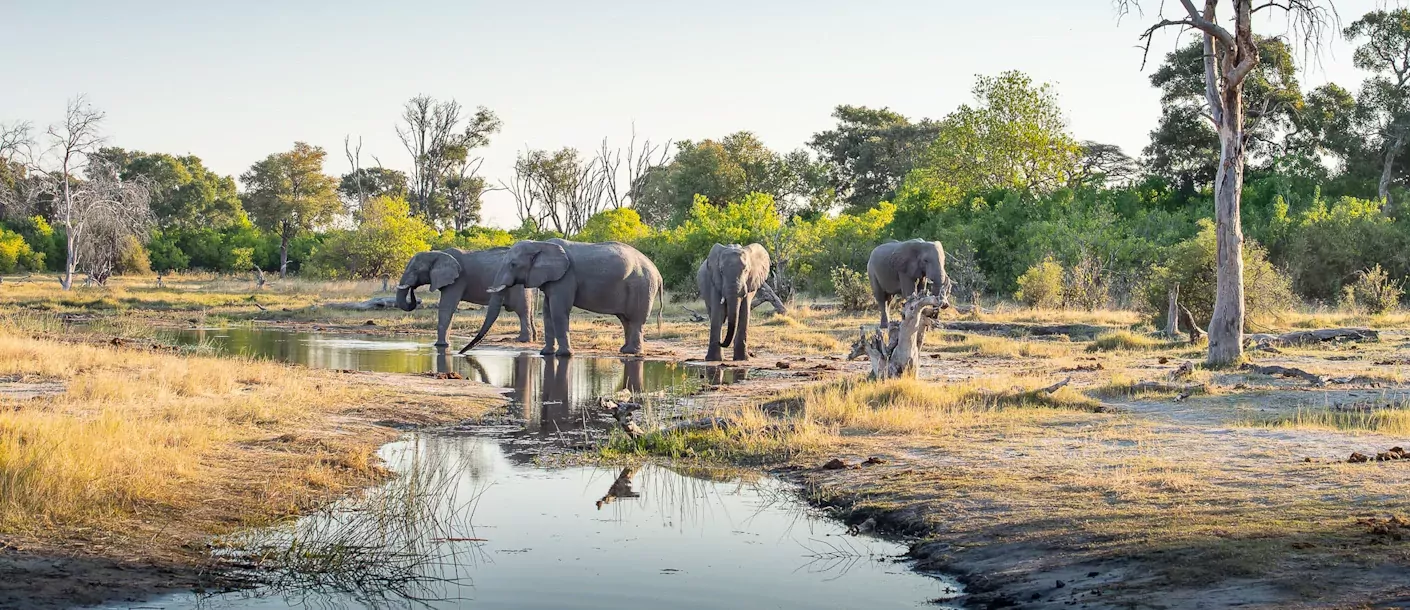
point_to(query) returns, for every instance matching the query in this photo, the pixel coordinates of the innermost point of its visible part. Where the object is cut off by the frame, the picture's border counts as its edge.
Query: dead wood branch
(766, 294)
(1310, 337)
(695, 315)
(895, 354)
(1284, 371)
(1055, 387)
(1074, 331)
(368, 305)
(1188, 319)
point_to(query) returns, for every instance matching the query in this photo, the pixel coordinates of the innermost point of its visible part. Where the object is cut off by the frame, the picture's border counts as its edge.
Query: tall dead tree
(1230, 54)
(623, 170)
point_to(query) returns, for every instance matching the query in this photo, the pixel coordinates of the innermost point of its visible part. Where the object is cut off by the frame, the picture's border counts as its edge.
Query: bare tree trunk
(1226, 326)
(895, 355)
(1388, 168)
(1172, 313)
(284, 252)
(70, 261)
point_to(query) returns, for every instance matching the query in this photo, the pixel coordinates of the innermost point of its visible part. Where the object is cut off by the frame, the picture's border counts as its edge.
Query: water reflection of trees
(408, 543)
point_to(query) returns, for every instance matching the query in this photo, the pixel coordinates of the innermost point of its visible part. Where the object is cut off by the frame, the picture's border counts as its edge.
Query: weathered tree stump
(766, 294)
(1172, 313)
(894, 355)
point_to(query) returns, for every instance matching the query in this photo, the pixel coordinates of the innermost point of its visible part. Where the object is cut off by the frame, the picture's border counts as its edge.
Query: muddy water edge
(474, 519)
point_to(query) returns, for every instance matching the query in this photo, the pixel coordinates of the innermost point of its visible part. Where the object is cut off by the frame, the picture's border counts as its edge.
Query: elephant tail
(660, 305)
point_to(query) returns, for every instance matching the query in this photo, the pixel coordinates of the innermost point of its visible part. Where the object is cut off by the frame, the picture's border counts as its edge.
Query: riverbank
(118, 462)
(1223, 488)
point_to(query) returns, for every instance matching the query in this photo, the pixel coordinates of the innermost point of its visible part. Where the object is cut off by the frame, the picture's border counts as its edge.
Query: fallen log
(695, 315)
(894, 355)
(1074, 331)
(1055, 387)
(1310, 337)
(1284, 371)
(368, 305)
(1188, 319)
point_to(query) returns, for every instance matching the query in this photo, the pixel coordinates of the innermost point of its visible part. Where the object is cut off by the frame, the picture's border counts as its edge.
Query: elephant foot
(523, 339)
(713, 358)
(741, 357)
(442, 344)
(564, 353)
(628, 349)
(546, 351)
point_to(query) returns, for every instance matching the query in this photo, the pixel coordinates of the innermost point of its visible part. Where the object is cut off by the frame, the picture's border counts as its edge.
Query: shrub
(1373, 291)
(1084, 284)
(623, 225)
(1191, 265)
(473, 238)
(132, 258)
(1328, 246)
(852, 288)
(17, 255)
(1041, 285)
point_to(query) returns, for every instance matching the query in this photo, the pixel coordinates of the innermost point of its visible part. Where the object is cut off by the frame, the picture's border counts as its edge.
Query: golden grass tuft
(1125, 340)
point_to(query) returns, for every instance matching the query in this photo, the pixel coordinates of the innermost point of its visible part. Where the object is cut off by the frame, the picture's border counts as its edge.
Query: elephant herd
(616, 279)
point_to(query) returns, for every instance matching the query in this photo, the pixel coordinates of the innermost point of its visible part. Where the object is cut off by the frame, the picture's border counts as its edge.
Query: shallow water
(496, 534)
(471, 523)
(550, 394)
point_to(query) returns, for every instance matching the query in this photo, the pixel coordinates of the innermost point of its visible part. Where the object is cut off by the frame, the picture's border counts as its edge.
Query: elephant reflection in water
(555, 397)
(631, 375)
(621, 488)
(443, 365)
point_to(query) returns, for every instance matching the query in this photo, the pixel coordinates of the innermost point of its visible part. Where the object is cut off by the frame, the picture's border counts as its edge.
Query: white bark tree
(1230, 53)
(98, 206)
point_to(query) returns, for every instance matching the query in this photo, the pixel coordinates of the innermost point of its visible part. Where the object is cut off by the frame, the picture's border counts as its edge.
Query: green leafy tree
(729, 170)
(870, 151)
(1385, 97)
(367, 182)
(288, 192)
(622, 224)
(387, 236)
(16, 254)
(184, 193)
(1184, 147)
(441, 142)
(1014, 137)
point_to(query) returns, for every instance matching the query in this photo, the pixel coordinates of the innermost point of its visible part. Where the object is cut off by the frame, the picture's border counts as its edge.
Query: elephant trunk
(406, 298)
(491, 314)
(731, 318)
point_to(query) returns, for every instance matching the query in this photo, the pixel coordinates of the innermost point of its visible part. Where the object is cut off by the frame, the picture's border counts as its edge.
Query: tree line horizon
(1318, 195)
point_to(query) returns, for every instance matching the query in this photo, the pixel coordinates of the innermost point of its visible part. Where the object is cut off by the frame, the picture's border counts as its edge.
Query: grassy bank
(121, 452)
(1228, 493)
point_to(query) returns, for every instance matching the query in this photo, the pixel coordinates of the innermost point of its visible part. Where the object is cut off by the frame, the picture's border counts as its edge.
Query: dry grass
(1125, 340)
(1389, 418)
(996, 347)
(820, 416)
(138, 439)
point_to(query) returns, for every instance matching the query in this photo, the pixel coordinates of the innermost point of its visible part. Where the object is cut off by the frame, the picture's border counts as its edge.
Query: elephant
(608, 278)
(728, 279)
(898, 267)
(462, 275)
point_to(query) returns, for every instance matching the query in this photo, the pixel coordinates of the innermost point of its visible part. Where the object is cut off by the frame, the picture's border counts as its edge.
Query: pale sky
(233, 82)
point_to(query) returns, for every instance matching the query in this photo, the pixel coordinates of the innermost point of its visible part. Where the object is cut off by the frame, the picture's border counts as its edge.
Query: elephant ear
(445, 270)
(907, 262)
(550, 263)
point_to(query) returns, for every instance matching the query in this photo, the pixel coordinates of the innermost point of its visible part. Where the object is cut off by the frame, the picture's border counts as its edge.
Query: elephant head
(728, 267)
(529, 263)
(924, 260)
(436, 268)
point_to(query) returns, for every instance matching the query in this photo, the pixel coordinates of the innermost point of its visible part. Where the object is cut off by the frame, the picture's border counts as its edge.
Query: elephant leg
(717, 320)
(741, 333)
(526, 323)
(632, 329)
(548, 329)
(446, 311)
(881, 298)
(562, 306)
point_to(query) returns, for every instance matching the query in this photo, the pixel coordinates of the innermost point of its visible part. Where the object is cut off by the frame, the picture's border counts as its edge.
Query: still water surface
(471, 523)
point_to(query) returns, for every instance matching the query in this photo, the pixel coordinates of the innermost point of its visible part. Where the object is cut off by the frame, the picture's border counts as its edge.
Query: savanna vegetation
(1100, 449)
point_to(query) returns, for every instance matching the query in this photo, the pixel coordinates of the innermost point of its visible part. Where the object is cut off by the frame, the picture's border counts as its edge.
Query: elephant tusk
(497, 288)
(402, 286)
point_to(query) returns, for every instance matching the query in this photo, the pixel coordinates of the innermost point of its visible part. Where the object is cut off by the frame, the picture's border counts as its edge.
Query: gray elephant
(462, 275)
(608, 278)
(899, 267)
(728, 279)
